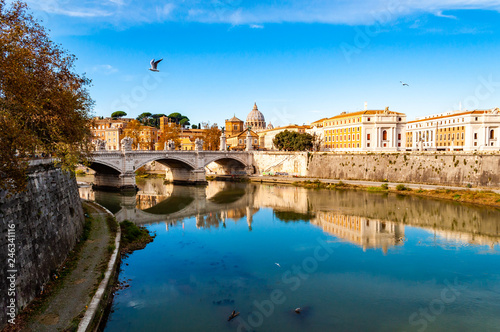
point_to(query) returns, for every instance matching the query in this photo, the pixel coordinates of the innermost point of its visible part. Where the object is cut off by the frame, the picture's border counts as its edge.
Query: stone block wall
(430, 168)
(441, 168)
(293, 163)
(48, 221)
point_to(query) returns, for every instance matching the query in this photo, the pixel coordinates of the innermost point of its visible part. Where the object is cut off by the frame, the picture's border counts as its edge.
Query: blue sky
(299, 60)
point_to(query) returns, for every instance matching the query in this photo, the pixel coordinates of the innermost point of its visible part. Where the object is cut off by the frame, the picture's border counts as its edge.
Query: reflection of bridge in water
(365, 219)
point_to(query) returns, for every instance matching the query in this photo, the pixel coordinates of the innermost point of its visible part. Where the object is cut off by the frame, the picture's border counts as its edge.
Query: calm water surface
(352, 261)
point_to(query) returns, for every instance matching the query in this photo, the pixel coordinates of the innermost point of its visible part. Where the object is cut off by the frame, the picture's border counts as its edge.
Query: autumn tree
(211, 137)
(133, 130)
(170, 132)
(44, 105)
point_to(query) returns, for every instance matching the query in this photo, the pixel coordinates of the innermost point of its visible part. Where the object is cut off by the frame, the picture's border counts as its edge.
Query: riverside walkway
(71, 294)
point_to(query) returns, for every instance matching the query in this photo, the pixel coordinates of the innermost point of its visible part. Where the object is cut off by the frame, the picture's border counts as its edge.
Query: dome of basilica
(255, 119)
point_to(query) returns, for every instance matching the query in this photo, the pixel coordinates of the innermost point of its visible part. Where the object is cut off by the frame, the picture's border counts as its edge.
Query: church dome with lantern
(255, 119)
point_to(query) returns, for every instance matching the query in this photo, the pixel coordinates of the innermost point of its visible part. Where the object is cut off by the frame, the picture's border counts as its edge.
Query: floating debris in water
(233, 314)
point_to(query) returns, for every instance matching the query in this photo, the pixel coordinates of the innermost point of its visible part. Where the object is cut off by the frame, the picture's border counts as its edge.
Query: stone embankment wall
(443, 168)
(48, 221)
(293, 163)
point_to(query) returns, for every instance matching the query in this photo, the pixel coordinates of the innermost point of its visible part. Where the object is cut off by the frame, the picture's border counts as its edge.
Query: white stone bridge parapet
(116, 169)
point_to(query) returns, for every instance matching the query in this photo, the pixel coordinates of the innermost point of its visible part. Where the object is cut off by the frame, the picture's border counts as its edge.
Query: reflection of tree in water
(228, 196)
(288, 216)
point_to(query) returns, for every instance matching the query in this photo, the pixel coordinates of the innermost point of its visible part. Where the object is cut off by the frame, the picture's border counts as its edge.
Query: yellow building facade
(369, 130)
(455, 131)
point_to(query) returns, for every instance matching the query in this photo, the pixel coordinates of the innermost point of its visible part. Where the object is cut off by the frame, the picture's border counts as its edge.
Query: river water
(350, 260)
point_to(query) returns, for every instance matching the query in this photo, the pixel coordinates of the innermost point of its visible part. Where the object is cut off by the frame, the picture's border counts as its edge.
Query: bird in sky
(404, 84)
(154, 65)
(278, 264)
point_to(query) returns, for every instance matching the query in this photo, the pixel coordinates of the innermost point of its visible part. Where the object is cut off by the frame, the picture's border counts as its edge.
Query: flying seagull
(404, 84)
(154, 65)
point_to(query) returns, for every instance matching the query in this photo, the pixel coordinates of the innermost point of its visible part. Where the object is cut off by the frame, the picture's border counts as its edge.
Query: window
(475, 135)
(368, 138)
(399, 119)
(492, 134)
(368, 119)
(399, 144)
(384, 136)
(475, 143)
(399, 136)
(235, 127)
(357, 145)
(368, 145)
(385, 144)
(241, 141)
(255, 141)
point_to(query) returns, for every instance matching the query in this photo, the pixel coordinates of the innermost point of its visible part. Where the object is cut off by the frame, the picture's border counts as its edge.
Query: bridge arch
(179, 170)
(227, 164)
(169, 161)
(104, 167)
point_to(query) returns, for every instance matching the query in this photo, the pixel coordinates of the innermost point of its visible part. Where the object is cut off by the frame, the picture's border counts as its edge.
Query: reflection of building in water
(465, 238)
(145, 201)
(281, 197)
(86, 192)
(364, 232)
(214, 219)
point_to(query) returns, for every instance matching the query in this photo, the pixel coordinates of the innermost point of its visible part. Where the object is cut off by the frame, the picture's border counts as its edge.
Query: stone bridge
(116, 169)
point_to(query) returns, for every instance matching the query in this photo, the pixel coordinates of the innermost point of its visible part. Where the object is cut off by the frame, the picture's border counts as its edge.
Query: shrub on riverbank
(134, 237)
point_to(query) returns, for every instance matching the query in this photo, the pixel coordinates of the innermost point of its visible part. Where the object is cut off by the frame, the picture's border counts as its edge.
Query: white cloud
(440, 14)
(104, 69)
(164, 12)
(255, 13)
(118, 2)
(256, 26)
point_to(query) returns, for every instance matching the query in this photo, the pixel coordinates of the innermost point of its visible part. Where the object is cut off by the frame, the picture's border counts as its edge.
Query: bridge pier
(185, 176)
(114, 182)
